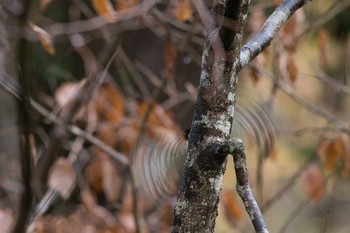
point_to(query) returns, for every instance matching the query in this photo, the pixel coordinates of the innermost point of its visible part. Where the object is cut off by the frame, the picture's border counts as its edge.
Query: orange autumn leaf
(125, 4)
(111, 181)
(93, 173)
(45, 39)
(323, 42)
(333, 151)
(160, 123)
(170, 56)
(276, 2)
(109, 103)
(292, 71)
(313, 183)
(183, 10)
(233, 210)
(346, 141)
(103, 177)
(105, 9)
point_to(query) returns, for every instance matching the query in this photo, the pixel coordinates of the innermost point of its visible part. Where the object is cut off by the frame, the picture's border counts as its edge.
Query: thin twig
(59, 133)
(120, 158)
(268, 31)
(292, 180)
(96, 23)
(25, 127)
(75, 130)
(130, 66)
(286, 88)
(243, 187)
(334, 10)
(301, 207)
(154, 97)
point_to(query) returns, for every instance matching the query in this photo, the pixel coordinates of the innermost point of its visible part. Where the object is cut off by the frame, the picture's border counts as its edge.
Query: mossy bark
(200, 186)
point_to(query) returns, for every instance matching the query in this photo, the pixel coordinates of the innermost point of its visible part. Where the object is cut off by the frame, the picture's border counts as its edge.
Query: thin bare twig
(96, 23)
(269, 30)
(118, 157)
(25, 128)
(334, 10)
(130, 66)
(292, 180)
(243, 186)
(301, 207)
(286, 88)
(154, 97)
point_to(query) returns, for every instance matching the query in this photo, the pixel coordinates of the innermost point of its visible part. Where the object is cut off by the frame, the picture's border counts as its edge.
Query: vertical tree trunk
(200, 186)
(9, 134)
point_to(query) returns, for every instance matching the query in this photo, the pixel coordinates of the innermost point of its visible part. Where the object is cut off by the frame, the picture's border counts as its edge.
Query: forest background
(142, 60)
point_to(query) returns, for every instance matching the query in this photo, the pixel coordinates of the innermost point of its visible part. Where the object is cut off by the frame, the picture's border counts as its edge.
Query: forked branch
(243, 186)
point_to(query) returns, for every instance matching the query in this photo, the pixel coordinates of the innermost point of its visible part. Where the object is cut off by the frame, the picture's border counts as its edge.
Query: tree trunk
(200, 186)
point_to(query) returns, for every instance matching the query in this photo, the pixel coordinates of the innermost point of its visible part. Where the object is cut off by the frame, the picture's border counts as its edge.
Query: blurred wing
(158, 163)
(158, 166)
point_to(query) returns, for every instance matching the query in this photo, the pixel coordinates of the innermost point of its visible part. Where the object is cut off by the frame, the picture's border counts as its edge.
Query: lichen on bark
(205, 164)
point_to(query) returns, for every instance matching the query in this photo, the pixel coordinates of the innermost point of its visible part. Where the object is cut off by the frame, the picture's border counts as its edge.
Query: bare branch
(243, 186)
(286, 88)
(96, 23)
(268, 31)
(119, 158)
(25, 126)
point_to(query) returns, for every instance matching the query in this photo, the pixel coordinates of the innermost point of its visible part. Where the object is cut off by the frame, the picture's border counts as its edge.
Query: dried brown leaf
(292, 70)
(125, 4)
(233, 210)
(276, 2)
(111, 181)
(93, 174)
(333, 151)
(170, 56)
(313, 183)
(44, 38)
(88, 199)
(109, 103)
(183, 10)
(62, 177)
(44, 4)
(256, 19)
(259, 61)
(105, 9)
(346, 142)
(291, 30)
(323, 43)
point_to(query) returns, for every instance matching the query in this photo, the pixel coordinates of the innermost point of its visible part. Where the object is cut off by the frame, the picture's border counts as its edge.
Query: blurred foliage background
(143, 58)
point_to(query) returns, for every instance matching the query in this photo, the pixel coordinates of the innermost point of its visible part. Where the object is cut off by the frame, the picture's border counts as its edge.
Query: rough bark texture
(200, 186)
